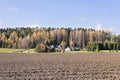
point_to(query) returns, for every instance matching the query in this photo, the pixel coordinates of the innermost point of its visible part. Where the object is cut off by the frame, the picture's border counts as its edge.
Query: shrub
(40, 48)
(63, 45)
(37, 48)
(52, 49)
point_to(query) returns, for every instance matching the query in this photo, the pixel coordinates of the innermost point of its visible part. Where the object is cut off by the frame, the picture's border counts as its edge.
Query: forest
(89, 39)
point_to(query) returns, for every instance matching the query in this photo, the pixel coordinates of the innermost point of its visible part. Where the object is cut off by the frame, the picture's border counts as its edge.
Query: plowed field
(82, 66)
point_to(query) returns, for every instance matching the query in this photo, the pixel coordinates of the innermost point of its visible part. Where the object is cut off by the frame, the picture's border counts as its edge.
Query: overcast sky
(97, 14)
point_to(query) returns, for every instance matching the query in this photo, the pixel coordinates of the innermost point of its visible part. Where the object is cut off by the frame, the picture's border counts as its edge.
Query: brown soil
(83, 66)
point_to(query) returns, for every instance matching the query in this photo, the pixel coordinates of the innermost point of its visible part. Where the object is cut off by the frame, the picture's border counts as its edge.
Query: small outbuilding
(67, 49)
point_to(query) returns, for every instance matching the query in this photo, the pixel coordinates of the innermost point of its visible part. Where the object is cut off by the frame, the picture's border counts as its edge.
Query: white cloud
(113, 30)
(13, 8)
(1, 23)
(109, 28)
(32, 25)
(98, 27)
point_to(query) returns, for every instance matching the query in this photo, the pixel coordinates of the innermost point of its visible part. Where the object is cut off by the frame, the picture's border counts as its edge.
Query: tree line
(27, 38)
